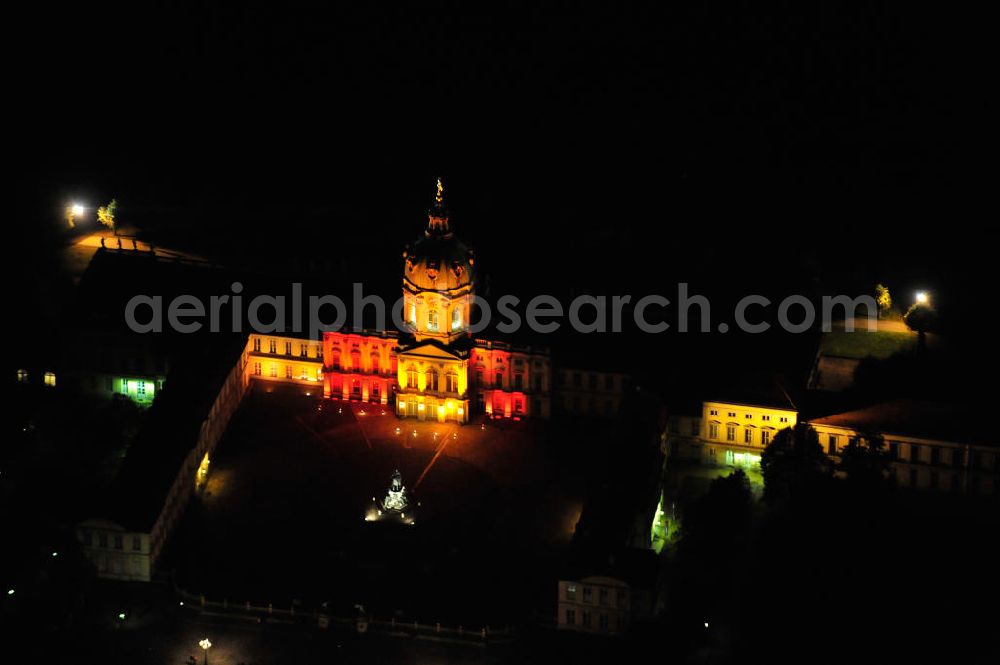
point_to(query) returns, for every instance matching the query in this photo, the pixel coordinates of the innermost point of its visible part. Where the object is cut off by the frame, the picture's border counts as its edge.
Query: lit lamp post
(73, 210)
(922, 298)
(205, 645)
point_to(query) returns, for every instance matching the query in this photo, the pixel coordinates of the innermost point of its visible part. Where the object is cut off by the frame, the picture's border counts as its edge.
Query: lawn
(864, 344)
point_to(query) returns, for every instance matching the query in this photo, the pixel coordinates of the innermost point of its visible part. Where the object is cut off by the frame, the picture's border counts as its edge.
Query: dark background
(769, 147)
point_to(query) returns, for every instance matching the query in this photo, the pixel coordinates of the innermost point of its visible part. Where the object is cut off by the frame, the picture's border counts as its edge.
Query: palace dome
(438, 261)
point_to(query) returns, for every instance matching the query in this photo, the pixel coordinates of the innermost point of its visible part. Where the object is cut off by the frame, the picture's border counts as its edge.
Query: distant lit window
(22, 376)
(451, 383)
(748, 435)
(570, 592)
(411, 378)
(256, 343)
(732, 414)
(288, 371)
(319, 350)
(713, 431)
(375, 363)
(765, 437)
(256, 369)
(140, 388)
(273, 370)
(765, 417)
(50, 379)
(456, 318)
(518, 406)
(412, 318)
(730, 432)
(499, 380)
(272, 346)
(303, 350)
(432, 320)
(713, 412)
(288, 348)
(432, 380)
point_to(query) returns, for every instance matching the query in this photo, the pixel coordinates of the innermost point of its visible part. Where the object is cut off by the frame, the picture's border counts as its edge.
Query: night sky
(607, 148)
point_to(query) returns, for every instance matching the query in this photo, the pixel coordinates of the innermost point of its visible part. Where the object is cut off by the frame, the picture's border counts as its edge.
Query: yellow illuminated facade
(727, 433)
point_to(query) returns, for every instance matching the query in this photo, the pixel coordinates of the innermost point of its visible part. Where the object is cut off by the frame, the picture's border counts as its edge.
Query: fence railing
(362, 623)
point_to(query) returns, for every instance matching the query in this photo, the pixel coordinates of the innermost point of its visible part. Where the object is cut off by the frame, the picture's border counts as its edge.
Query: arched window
(412, 315)
(432, 320)
(456, 318)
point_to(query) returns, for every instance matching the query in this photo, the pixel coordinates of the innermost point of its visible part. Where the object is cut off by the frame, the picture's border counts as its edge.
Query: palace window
(602, 621)
(603, 596)
(256, 369)
(432, 380)
(274, 370)
(730, 432)
(136, 543)
(432, 320)
(303, 350)
(50, 379)
(288, 348)
(102, 540)
(118, 541)
(765, 437)
(518, 406)
(713, 412)
(22, 376)
(375, 363)
(914, 453)
(140, 388)
(288, 371)
(499, 380)
(412, 318)
(451, 383)
(586, 619)
(256, 343)
(713, 430)
(832, 444)
(570, 617)
(519, 382)
(456, 318)
(748, 435)
(336, 359)
(411, 378)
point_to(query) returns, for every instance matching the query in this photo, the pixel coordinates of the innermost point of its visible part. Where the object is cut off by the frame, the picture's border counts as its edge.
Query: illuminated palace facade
(433, 369)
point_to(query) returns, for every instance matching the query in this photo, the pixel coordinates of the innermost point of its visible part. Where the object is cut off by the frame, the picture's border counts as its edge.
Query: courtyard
(281, 518)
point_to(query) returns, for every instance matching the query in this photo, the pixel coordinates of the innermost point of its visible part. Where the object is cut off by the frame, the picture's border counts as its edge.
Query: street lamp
(922, 298)
(77, 209)
(206, 645)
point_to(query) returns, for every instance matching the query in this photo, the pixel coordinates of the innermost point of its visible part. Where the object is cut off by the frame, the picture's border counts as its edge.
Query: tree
(883, 300)
(921, 317)
(106, 215)
(793, 463)
(865, 461)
